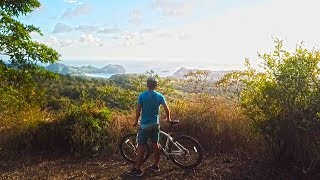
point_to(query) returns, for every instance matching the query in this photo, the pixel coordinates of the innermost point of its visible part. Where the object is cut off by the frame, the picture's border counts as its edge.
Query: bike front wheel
(128, 148)
(186, 152)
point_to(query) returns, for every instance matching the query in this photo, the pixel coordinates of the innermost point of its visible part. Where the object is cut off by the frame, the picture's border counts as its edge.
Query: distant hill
(213, 76)
(113, 69)
(83, 70)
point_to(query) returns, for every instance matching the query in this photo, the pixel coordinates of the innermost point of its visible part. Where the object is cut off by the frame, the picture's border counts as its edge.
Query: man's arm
(138, 110)
(167, 111)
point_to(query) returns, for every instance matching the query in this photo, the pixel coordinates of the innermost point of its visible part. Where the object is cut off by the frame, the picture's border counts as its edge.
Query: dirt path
(221, 166)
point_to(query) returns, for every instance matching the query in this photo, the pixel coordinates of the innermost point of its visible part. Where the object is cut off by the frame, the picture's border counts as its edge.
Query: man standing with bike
(148, 107)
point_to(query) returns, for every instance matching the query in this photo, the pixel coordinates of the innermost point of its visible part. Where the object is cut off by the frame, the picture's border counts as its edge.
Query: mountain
(90, 69)
(213, 75)
(113, 69)
(85, 70)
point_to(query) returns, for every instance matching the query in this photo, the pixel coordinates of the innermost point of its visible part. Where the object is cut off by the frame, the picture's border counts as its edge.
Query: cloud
(149, 30)
(56, 42)
(61, 28)
(165, 35)
(50, 41)
(131, 39)
(71, 1)
(91, 39)
(135, 17)
(183, 36)
(109, 30)
(173, 8)
(149, 36)
(86, 28)
(66, 43)
(81, 9)
(182, 8)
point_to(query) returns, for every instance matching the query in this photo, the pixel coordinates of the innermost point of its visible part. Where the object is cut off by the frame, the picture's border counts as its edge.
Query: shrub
(85, 128)
(218, 123)
(284, 102)
(116, 97)
(18, 125)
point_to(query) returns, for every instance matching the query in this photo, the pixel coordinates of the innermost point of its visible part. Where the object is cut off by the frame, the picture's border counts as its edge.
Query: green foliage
(85, 128)
(16, 44)
(196, 82)
(15, 39)
(284, 101)
(116, 97)
(231, 84)
(16, 8)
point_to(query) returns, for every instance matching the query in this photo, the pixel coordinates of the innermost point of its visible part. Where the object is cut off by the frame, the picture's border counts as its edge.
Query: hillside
(84, 70)
(213, 75)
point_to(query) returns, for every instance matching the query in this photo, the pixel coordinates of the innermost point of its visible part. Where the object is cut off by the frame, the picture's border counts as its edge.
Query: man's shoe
(134, 172)
(154, 168)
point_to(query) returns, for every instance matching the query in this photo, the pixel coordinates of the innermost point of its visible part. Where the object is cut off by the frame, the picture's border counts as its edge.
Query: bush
(18, 125)
(85, 128)
(218, 123)
(284, 102)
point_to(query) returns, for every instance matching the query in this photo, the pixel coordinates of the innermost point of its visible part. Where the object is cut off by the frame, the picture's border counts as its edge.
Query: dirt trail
(220, 166)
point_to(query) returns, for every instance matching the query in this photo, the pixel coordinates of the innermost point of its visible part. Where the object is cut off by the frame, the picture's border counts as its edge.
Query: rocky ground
(218, 166)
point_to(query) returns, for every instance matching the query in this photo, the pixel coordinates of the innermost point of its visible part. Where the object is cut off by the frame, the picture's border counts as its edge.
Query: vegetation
(21, 101)
(277, 108)
(283, 102)
(73, 114)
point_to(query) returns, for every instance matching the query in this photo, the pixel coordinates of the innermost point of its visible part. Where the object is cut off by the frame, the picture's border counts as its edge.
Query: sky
(219, 32)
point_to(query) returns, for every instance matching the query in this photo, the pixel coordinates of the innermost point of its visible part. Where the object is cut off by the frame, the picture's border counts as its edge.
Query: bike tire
(193, 146)
(127, 147)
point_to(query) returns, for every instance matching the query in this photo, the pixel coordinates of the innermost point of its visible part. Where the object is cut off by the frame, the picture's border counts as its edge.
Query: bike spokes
(128, 148)
(186, 152)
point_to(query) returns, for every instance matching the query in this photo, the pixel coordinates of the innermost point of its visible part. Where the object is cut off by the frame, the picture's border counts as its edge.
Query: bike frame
(182, 150)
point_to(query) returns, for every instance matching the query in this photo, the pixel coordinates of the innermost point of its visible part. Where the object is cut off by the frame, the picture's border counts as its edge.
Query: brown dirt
(219, 166)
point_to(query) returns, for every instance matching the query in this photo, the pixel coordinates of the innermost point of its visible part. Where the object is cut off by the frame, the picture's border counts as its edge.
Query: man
(149, 103)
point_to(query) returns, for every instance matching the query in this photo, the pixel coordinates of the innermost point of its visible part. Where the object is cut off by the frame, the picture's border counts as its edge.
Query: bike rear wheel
(128, 148)
(192, 152)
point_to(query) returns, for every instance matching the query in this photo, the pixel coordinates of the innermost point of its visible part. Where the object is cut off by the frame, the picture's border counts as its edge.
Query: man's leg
(139, 160)
(156, 154)
(155, 146)
(142, 141)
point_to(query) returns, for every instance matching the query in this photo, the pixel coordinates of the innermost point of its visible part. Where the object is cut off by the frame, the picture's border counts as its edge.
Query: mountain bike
(182, 150)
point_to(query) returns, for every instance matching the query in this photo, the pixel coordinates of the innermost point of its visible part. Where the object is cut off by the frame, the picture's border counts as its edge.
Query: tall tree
(17, 47)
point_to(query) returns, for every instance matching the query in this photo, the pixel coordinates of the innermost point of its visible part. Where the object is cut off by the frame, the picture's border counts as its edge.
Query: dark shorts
(152, 133)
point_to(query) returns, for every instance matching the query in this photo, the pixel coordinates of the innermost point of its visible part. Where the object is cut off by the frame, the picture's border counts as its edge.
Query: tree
(19, 54)
(283, 100)
(19, 59)
(197, 81)
(17, 45)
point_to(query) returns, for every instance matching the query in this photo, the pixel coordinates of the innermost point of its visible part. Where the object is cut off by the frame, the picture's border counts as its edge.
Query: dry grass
(17, 124)
(218, 123)
(120, 125)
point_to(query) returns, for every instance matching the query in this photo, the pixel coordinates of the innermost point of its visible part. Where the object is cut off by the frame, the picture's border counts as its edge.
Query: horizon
(145, 65)
(163, 70)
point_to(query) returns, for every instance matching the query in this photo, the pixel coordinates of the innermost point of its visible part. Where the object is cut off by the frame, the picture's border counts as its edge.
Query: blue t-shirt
(150, 101)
